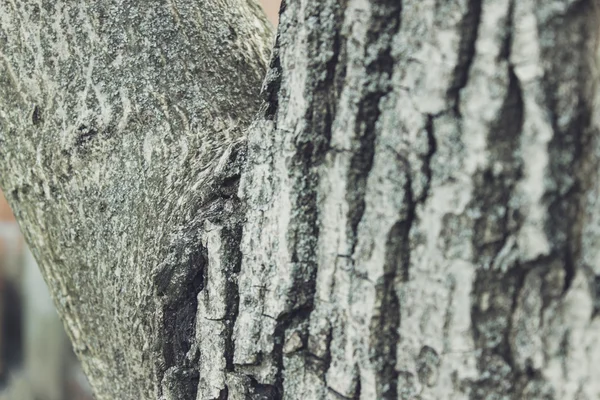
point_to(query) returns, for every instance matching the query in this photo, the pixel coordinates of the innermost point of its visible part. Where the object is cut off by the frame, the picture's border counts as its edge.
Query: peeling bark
(416, 213)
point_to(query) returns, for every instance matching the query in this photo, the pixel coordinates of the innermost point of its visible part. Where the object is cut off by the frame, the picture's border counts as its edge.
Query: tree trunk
(416, 215)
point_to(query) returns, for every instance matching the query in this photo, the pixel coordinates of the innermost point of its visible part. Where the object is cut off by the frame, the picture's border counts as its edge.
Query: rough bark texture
(117, 118)
(423, 218)
(417, 214)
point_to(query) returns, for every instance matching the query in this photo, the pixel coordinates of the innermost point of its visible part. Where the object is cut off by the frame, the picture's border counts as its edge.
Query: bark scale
(417, 213)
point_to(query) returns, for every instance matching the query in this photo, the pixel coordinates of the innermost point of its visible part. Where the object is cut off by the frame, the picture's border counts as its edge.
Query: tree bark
(117, 119)
(416, 216)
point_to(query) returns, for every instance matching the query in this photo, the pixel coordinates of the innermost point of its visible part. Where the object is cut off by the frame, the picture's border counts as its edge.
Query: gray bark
(117, 119)
(416, 215)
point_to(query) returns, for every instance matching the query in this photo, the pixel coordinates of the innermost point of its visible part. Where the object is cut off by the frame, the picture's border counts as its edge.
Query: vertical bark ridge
(283, 329)
(383, 26)
(498, 294)
(495, 292)
(328, 68)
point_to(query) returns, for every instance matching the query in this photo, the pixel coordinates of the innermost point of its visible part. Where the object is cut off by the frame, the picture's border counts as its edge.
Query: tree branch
(118, 122)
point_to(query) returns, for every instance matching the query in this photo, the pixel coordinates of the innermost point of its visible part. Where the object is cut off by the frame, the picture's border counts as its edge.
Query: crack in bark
(264, 392)
(386, 20)
(358, 387)
(183, 276)
(294, 319)
(322, 91)
(495, 290)
(571, 111)
(226, 187)
(466, 51)
(338, 395)
(596, 291)
(386, 324)
(432, 148)
(272, 84)
(179, 286)
(386, 23)
(232, 296)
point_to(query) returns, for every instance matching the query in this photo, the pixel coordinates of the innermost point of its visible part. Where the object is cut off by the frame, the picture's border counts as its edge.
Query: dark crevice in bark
(180, 289)
(272, 89)
(338, 395)
(466, 51)
(399, 240)
(226, 187)
(234, 234)
(182, 276)
(294, 320)
(327, 358)
(324, 89)
(569, 266)
(36, 116)
(572, 162)
(223, 394)
(385, 23)
(259, 391)
(387, 320)
(505, 50)
(496, 288)
(358, 387)
(397, 269)
(432, 146)
(322, 94)
(282, 8)
(565, 218)
(180, 311)
(272, 84)
(596, 291)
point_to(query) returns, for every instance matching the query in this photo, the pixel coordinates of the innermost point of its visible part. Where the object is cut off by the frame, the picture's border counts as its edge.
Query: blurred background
(36, 360)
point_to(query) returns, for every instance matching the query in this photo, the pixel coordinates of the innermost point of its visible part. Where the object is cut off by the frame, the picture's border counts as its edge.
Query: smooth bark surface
(417, 213)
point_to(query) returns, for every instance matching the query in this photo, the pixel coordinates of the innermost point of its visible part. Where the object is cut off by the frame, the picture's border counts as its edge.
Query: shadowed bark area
(416, 214)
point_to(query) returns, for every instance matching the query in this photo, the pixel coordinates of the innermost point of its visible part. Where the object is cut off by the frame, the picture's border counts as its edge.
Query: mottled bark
(117, 119)
(416, 215)
(422, 203)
